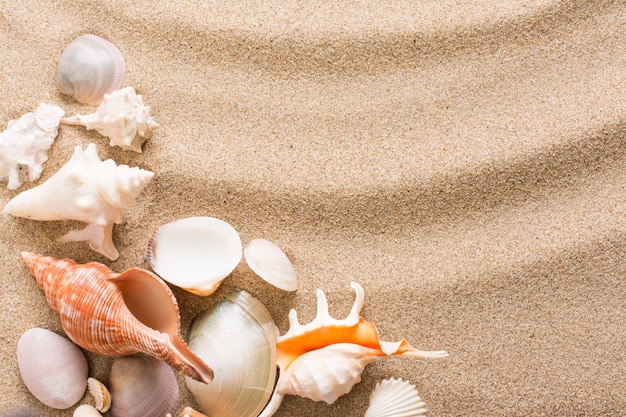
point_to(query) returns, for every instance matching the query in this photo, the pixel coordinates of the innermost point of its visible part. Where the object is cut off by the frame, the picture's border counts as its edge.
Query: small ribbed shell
(100, 394)
(89, 68)
(116, 314)
(142, 387)
(395, 398)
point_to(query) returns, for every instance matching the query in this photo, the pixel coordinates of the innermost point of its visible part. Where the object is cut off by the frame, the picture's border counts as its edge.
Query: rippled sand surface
(464, 161)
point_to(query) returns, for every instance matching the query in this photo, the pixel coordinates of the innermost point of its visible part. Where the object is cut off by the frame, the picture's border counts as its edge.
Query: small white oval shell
(270, 263)
(195, 253)
(89, 68)
(86, 410)
(53, 368)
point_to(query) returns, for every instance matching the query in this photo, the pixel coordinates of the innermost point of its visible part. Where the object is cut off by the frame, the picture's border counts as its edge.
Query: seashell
(100, 394)
(122, 117)
(142, 387)
(53, 369)
(323, 359)
(189, 412)
(237, 333)
(270, 263)
(86, 410)
(89, 68)
(195, 253)
(116, 314)
(85, 189)
(395, 398)
(24, 144)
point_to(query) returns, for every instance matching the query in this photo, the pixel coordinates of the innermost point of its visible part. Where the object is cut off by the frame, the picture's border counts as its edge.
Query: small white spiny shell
(395, 398)
(25, 143)
(86, 189)
(122, 117)
(90, 67)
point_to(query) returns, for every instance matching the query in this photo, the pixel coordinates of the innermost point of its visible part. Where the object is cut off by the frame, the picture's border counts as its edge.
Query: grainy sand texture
(464, 161)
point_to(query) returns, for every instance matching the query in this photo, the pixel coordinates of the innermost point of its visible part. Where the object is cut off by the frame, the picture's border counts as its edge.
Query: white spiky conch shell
(122, 117)
(24, 144)
(395, 398)
(86, 189)
(323, 359)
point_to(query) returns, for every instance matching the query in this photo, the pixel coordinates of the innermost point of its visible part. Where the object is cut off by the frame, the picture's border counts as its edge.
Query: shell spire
(323, 359)
(88, 190)
(116, 314)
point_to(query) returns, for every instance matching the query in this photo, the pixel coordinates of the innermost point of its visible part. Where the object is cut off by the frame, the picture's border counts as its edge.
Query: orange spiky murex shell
(116, 314)
(324, 359)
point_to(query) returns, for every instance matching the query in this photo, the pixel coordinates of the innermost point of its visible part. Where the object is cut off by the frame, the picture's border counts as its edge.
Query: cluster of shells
(233, 350)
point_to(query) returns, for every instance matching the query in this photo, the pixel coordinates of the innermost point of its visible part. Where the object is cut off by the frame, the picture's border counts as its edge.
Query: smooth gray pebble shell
(53, 368)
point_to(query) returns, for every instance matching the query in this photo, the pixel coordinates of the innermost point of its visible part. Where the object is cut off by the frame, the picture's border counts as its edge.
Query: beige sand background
(464, 161)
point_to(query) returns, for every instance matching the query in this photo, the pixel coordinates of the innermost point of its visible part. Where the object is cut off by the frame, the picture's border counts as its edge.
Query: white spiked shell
(395, 398)
(122, 117)
(89, 68)
(24, 144)
(86, 189)
(348, 344)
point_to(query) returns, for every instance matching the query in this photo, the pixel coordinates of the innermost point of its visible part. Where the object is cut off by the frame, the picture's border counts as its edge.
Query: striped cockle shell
(142, 387)
(89, 68)
(116, 314)
(323, 359)
(395, 398)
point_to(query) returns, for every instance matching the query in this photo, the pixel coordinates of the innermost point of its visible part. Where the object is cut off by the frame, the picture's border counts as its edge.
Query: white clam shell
(24, 144)
(86, 189)
(270, 263)
(395, 398)
(142, 386)
(86, 410)
(195, 253)
(89, 68)
(122, 117)
(53, 368)
(239, 336)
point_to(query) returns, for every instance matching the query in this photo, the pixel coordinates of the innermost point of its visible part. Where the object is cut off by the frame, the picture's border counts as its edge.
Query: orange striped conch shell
(322, 360)
(116, 314)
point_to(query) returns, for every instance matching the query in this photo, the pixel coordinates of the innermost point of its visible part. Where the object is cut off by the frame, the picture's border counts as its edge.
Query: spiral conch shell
(24, 144)
(122, 117)
(116, 314)
(322, 360)
(85, 189)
